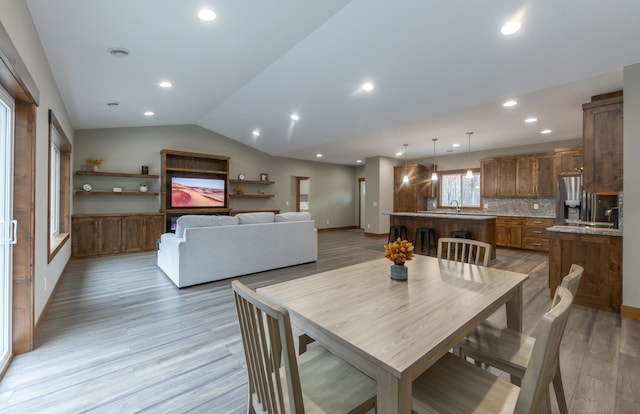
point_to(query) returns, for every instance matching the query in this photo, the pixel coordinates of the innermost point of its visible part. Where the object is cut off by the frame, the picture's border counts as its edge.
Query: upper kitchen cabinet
(411, 196)
(498, 177)
(602, 129)
(534, 175)
(569, 161)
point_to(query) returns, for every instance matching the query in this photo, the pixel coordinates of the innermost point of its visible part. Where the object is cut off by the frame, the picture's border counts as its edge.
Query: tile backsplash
(521, 206)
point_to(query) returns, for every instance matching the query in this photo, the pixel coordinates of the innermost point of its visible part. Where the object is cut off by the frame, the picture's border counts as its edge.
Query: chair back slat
(464, 250)
(541, 368)
(268, 345)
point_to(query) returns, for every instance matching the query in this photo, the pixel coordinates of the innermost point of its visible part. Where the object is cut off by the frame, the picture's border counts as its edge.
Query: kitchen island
(482, 228)
(599, 251)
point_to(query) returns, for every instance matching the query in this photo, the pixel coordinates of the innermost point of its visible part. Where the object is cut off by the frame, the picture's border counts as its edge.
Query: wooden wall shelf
(251, 195)
(116, 174)
(236, 181)
(114, 193)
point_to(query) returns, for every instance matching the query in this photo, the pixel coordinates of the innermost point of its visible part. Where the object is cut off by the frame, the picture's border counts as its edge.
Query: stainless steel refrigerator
(575, 206)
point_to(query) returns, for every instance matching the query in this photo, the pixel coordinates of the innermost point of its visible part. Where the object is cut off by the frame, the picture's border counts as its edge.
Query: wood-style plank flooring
(121, 338)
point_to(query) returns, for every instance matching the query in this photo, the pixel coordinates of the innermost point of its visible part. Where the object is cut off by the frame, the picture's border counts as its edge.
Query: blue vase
(399, 271)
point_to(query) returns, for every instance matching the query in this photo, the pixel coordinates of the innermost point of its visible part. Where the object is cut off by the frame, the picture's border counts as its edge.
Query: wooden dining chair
(510, 351)
(453, 385)
(316, 382)
(464, 250)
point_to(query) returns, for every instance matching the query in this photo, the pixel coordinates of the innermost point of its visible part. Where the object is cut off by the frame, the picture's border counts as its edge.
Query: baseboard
(337, 229)
(45, 311)
(379, 236)
(630, 312)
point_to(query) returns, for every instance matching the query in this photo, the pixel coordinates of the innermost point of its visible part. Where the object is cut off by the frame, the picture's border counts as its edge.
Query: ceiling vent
(119, 52)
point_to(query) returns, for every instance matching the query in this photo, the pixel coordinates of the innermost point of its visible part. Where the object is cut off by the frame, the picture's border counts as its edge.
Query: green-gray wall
(631, 203)
(333, 187)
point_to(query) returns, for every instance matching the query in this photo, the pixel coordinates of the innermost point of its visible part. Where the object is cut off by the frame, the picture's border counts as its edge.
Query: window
(456, 188)
(59, 186)
(54, 207)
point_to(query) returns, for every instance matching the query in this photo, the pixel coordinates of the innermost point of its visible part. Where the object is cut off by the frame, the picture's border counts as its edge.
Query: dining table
(395, 330)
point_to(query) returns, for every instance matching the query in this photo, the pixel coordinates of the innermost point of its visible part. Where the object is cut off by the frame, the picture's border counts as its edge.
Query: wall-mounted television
(192, 192)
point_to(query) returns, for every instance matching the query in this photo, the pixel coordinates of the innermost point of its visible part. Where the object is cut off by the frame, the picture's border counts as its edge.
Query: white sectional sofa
(208, 248)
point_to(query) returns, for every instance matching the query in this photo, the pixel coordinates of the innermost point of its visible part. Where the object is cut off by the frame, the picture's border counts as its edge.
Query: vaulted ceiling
(439, 69)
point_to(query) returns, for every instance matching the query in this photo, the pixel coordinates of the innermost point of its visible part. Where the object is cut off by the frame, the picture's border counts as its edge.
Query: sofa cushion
(196, 220)
(293, 216)
(255, 218)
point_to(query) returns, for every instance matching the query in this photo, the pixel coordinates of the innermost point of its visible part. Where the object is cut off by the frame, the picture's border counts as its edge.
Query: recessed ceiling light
(295, 117)
(367, 86)
(510, 27)
(531, 120)
(545, 131)
(149, 113)
(455, 145)
(118, 52)
(399, 153)
(510, 102)
(256, 133)
(165, 84)
(318, 155)
(207, 15)
(359, 161)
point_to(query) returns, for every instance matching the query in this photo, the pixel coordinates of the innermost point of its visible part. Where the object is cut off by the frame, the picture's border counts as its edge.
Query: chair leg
(559, 390)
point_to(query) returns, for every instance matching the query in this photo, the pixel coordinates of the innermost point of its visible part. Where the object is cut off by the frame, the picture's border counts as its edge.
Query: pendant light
(434, 175)
(405, 178)
(469, 172)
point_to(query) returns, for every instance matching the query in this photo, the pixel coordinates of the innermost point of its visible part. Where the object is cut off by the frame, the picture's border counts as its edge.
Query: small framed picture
(264, 177)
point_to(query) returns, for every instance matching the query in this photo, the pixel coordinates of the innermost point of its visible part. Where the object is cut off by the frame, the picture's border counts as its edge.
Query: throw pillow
(255, 218)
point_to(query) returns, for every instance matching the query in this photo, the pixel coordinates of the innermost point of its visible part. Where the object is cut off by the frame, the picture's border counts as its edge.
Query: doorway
(303, 193)
(7, 225)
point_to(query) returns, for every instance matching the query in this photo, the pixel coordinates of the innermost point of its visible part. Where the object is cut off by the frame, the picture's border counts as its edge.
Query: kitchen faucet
(457, 205)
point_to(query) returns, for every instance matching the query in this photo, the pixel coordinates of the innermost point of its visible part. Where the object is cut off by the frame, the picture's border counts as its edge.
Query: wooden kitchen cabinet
(601, 257)
(603, 144)
(534, 176)
(509, 231)
(498, 177)
(535, 235)
(411, 196)
(569, 161)
(109, 234)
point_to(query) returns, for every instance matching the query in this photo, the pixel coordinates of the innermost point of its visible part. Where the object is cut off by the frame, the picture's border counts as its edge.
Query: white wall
(631, 199)
(15, 17)
(333, 187)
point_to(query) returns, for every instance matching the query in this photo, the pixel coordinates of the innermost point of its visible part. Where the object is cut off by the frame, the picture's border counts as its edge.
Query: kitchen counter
(481, 213)
(447, 215)
(481, 227)
(600, 231)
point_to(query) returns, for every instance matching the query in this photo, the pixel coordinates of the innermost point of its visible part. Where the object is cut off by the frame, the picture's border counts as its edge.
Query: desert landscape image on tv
(197, 192)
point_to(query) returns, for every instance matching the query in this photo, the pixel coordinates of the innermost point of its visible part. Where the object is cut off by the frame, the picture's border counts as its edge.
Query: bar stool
(430, 235)
(396, 232)
(462, 234)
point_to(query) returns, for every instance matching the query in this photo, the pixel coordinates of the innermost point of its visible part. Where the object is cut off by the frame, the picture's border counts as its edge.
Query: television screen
(197, 192)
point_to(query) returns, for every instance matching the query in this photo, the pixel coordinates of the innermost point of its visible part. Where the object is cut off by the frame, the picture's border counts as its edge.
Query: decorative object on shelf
(399, 252)
(241, 176)
(87, 187)
(264, 177)
(262, 191)
(144, 170)
(239, 190)
(117, 189)
(143, 187)
(94, 163)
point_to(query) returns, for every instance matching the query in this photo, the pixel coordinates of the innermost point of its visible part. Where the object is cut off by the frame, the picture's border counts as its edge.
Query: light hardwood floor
(121, 338)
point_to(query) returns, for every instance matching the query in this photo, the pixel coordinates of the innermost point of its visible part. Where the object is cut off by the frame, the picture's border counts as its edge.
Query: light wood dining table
(395, 330)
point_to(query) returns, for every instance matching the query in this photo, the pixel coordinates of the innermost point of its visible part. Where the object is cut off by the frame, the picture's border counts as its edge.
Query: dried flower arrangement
(93, 161)
(399, 251)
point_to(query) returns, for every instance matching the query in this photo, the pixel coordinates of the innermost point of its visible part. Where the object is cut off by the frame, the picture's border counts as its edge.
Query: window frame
(62, 194)
(462, 173)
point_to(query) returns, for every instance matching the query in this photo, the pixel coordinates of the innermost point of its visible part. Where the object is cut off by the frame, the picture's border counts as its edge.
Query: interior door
(7, 225)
